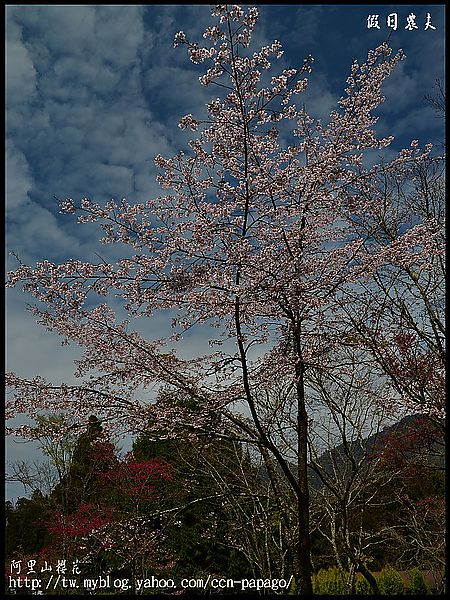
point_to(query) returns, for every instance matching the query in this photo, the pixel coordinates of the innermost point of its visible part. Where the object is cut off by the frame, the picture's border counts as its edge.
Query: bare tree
(347, 479)
(400, 315)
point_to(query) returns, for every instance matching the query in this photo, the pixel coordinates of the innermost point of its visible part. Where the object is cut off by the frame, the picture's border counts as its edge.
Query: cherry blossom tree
(129, 492)
(254, 243)
(110, 524)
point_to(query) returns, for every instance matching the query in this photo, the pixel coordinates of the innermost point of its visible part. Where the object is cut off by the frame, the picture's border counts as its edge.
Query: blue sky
(95, 92)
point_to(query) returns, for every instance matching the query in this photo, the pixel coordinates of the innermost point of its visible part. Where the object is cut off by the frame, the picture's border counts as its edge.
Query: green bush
(363, 587)
(329, 581)
(390, 582)
(417, 584)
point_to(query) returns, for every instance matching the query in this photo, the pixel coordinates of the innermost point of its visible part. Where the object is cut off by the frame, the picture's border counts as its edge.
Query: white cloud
(31, 350)
(20, 71)
(318, 98)
(18, 178)
(36, 235)
(87, 129)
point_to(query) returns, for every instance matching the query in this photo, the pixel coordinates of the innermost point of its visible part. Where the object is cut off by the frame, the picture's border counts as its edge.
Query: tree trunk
(370, 578)
(304, 541)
